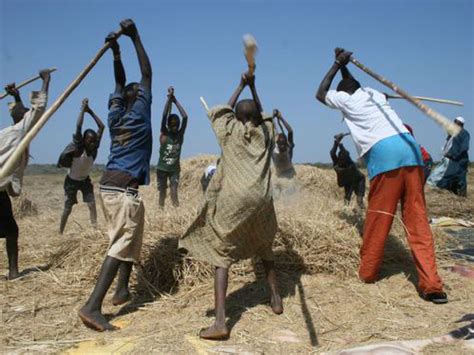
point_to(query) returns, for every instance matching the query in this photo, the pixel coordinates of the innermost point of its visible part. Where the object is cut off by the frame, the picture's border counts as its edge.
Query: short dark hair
(173, 117)
(247, 109)
(131, 86)
(89, 132)
(348, 85)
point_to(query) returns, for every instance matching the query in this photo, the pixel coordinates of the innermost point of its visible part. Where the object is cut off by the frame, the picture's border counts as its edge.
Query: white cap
(459, 119)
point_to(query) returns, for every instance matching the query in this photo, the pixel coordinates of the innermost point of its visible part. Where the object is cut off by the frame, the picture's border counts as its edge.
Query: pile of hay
(317, 234)
(24, 207)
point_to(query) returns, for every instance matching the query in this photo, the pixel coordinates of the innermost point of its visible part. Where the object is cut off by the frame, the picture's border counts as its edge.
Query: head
(173, 123)
(459, 121)
(131, 92)
(282, 142)
(246, 110)
(348, 85)
(344, 158)
(17, 111)
(90, 141)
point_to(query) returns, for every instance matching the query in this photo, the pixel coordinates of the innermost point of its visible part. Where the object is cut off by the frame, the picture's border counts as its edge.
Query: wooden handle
(10, 164)
(26, 82)
(450, 127)
(431, 99)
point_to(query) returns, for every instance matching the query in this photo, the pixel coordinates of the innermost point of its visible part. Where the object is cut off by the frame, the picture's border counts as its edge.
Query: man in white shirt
(395, 169)
(24, 119)
(79, 157)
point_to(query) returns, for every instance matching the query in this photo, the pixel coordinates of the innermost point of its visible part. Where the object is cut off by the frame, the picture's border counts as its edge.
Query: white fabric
(11, 137)
(210, 170)
(460, 119)
(81, 167)
(368, 115)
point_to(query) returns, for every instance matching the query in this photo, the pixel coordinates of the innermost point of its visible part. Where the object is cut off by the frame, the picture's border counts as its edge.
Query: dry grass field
(326, 308)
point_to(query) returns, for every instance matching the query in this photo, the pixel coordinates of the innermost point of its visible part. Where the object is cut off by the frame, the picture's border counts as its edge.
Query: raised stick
(431, 99)
(250, 50)
(9, 166)
(26, 82)
(448, 125)
(204, 103)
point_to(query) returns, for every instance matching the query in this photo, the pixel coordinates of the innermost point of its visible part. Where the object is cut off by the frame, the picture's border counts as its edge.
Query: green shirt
(170, 153)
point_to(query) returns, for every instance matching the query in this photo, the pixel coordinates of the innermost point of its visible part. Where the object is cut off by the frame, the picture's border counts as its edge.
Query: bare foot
(276, 304)
(12, 275)
(215, 332)
(95, 320)
(121, 297)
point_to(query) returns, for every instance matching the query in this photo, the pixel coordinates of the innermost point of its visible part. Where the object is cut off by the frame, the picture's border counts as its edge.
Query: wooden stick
(10, 164)
(250, 50)
(448, 125)
(431, 99)
(26, 82)
(204, 103)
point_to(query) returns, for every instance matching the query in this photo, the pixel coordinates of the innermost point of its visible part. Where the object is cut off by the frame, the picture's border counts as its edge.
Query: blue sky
(426, 47)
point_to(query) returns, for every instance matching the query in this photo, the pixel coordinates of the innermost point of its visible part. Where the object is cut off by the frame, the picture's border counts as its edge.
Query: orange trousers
(405, 185)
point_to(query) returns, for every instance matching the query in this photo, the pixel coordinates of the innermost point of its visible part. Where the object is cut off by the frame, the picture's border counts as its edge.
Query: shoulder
(221, 111)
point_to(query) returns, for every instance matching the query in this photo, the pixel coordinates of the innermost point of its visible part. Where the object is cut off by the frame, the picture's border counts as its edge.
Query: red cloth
(425, 154)
(405, 185)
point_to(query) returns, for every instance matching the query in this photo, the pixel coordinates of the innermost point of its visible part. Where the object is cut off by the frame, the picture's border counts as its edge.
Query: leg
(385, 191)
(9, 230)
(174, 183)
(218, 331)
(360, 192)
(347, 194)
(70, 193)
(66, 212)
(162, 186)
(419, 233)
(89, 198)
(275, 301)
(12, 253)
(93, 213)
(91, 312)
(122, 294)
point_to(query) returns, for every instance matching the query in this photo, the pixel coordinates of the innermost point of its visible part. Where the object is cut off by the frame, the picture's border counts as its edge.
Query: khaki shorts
(124, 214)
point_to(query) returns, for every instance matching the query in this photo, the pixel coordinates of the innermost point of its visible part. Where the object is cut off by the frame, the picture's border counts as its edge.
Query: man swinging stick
(171, 142)
(24, 120)
(79, 157)
(395, 169)
(128, 167)
(237, 220)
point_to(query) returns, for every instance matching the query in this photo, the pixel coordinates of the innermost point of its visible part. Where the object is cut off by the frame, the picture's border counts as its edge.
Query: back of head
(246, 110)
(348, 85)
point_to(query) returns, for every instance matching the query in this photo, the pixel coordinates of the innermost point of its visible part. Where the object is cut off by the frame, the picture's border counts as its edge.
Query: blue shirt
(392, 153)
(131, 135)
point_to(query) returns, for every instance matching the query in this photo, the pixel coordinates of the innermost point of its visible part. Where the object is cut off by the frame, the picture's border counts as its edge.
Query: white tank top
(81, 167)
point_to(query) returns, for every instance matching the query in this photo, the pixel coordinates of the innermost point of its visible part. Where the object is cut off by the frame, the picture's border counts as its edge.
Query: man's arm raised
(119, 71)
(130, 30)
(235, 96)
(98, 121)
(80, 118)
(342, 58)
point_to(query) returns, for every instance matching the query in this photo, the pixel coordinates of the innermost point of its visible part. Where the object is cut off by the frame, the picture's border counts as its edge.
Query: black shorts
(71, 187)
(8, 226)
(162, 178)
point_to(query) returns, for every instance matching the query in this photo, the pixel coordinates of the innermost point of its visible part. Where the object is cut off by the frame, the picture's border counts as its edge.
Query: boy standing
(237, 220)
(79, 157)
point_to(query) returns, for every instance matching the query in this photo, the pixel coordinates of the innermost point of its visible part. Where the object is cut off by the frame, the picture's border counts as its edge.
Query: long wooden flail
(26, 82)
(10, 164)
(450, 127)
(250, 51)
(431, 99)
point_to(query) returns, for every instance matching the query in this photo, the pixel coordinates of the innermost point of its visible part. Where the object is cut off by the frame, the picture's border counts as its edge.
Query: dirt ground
(326, 308)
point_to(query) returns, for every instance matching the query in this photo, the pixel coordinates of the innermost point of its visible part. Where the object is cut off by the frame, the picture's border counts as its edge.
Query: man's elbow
(321, 97)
